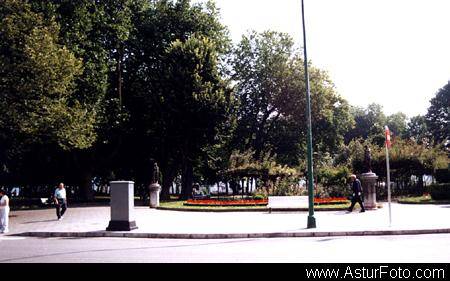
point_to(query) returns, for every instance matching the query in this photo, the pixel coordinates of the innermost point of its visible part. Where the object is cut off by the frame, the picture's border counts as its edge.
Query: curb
(233, 235)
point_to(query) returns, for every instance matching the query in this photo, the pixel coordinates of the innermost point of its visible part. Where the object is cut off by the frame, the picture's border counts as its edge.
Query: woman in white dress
(4, 212)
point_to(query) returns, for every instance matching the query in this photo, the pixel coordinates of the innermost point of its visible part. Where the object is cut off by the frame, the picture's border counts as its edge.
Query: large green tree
(175, 95)
(38, 86)
(397, 124)
(417, 130)
(269, 76)
(98, 33)
(369, 124)
(438, 116)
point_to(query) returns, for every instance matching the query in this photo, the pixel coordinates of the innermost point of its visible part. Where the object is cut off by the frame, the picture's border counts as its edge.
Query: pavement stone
(92, 222)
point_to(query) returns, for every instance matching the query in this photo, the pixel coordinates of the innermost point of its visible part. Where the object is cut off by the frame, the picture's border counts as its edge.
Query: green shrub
(259, 197)
(443, 175)
(333, 182)
(286, 187)
(440, 191)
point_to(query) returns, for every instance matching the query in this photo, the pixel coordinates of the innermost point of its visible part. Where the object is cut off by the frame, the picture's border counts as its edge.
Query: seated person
(196, 191)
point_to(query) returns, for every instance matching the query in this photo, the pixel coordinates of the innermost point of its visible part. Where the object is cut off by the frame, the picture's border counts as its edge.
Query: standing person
(357, 194)
(60, 199)
(4, 212)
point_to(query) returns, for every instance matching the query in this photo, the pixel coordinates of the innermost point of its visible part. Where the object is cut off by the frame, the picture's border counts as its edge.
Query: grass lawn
(179, 205)
(421, 200)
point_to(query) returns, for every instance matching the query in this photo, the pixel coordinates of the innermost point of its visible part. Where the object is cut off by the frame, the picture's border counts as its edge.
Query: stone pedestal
(155, 190)
(122, 206)
(368, 181)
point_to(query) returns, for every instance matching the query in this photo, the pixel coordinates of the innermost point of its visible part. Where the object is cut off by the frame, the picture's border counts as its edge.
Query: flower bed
(330, 201)
(225, 203)
(256, 202)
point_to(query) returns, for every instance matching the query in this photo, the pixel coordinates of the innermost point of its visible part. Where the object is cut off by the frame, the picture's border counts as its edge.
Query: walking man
(4, 212)
(60, 198)
(357, 194)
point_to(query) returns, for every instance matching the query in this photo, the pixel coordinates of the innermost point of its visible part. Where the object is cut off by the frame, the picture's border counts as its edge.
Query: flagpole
(388, 174)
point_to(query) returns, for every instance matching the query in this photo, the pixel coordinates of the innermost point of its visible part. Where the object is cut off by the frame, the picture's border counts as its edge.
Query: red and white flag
(388, 137)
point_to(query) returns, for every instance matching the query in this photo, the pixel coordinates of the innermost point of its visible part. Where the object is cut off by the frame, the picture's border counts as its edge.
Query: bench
(288, 202)
(200, 197)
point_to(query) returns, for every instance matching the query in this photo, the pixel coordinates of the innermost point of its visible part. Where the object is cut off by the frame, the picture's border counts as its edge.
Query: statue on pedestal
(368, 181)
(154, 187)
(155, 174)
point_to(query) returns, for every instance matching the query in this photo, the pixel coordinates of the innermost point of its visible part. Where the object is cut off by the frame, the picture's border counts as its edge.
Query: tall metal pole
(388, 184)
(388, 172)
(311, 219)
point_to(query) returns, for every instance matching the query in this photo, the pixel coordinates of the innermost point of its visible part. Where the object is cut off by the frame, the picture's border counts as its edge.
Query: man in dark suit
(357, 194)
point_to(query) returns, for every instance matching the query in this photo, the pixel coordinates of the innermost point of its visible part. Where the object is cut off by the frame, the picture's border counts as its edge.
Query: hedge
(440, 191)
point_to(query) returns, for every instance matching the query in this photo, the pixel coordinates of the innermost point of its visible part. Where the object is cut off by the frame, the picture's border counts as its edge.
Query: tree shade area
(94, 91)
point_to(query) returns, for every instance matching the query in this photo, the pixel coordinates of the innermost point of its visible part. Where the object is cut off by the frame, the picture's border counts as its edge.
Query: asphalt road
(378, 249)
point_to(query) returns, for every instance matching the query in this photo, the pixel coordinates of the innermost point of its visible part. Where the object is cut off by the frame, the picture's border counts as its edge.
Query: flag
(388, 137)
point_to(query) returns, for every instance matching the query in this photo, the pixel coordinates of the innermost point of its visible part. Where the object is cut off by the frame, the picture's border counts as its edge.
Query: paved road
(385, 249)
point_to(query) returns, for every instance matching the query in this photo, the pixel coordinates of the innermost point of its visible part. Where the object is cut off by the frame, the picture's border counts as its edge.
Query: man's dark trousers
(61, 207)
(357, 195)
(357, 199)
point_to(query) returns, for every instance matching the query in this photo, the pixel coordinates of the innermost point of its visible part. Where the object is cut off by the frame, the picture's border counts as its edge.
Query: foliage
(287, 187)
(38, 80)
(369, 124)
(269, 76)
(443, 175)
(440, 191)
(397, 124)
(333, 182)
(417, 130)
(179, 103)
(438, 115)
(245, 165)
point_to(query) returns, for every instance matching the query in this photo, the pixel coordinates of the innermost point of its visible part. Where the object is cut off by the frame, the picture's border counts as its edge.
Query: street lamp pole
(311, 219)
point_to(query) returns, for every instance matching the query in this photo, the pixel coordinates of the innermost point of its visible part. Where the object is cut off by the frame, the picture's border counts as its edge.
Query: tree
(97, 32)
(417, 130)
(269, 76)
(166, 32)
(194, 98)
(38, 84)
(397, 124)
(369, 124)
(438, 116)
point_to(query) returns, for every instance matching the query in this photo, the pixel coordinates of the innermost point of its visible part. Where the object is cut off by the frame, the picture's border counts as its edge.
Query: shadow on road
(28, 222)
(123, 249)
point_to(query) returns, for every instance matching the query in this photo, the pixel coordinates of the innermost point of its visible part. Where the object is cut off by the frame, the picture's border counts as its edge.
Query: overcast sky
(392, 52)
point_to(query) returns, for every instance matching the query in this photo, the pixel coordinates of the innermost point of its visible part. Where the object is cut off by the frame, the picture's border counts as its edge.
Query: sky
(392, 52)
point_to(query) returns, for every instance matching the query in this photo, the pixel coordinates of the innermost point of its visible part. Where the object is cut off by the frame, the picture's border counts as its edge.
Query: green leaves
(39, 81)
(269, 73)
(438, 115)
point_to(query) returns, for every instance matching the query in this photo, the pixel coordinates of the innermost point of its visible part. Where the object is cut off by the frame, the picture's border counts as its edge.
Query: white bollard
(155, 190)
(122, 206)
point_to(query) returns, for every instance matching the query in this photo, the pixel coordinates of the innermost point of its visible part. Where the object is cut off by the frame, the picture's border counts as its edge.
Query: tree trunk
(168, 175)
(87, 194)
(82, 163)
(119, 73)
(187, 179)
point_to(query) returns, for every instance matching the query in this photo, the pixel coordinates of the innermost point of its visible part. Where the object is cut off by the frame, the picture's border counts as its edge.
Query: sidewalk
(92, 222)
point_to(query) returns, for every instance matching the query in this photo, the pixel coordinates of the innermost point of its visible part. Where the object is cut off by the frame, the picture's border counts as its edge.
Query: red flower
(215, 202)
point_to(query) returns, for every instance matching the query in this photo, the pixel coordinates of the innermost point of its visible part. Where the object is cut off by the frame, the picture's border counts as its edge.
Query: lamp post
(311, 219)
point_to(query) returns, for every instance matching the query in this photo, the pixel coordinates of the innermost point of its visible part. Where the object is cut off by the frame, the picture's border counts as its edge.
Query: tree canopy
(101, 90)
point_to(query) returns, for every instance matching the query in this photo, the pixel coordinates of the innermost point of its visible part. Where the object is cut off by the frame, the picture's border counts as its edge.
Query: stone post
(155, 190)
(368, 181)
(122, 206)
